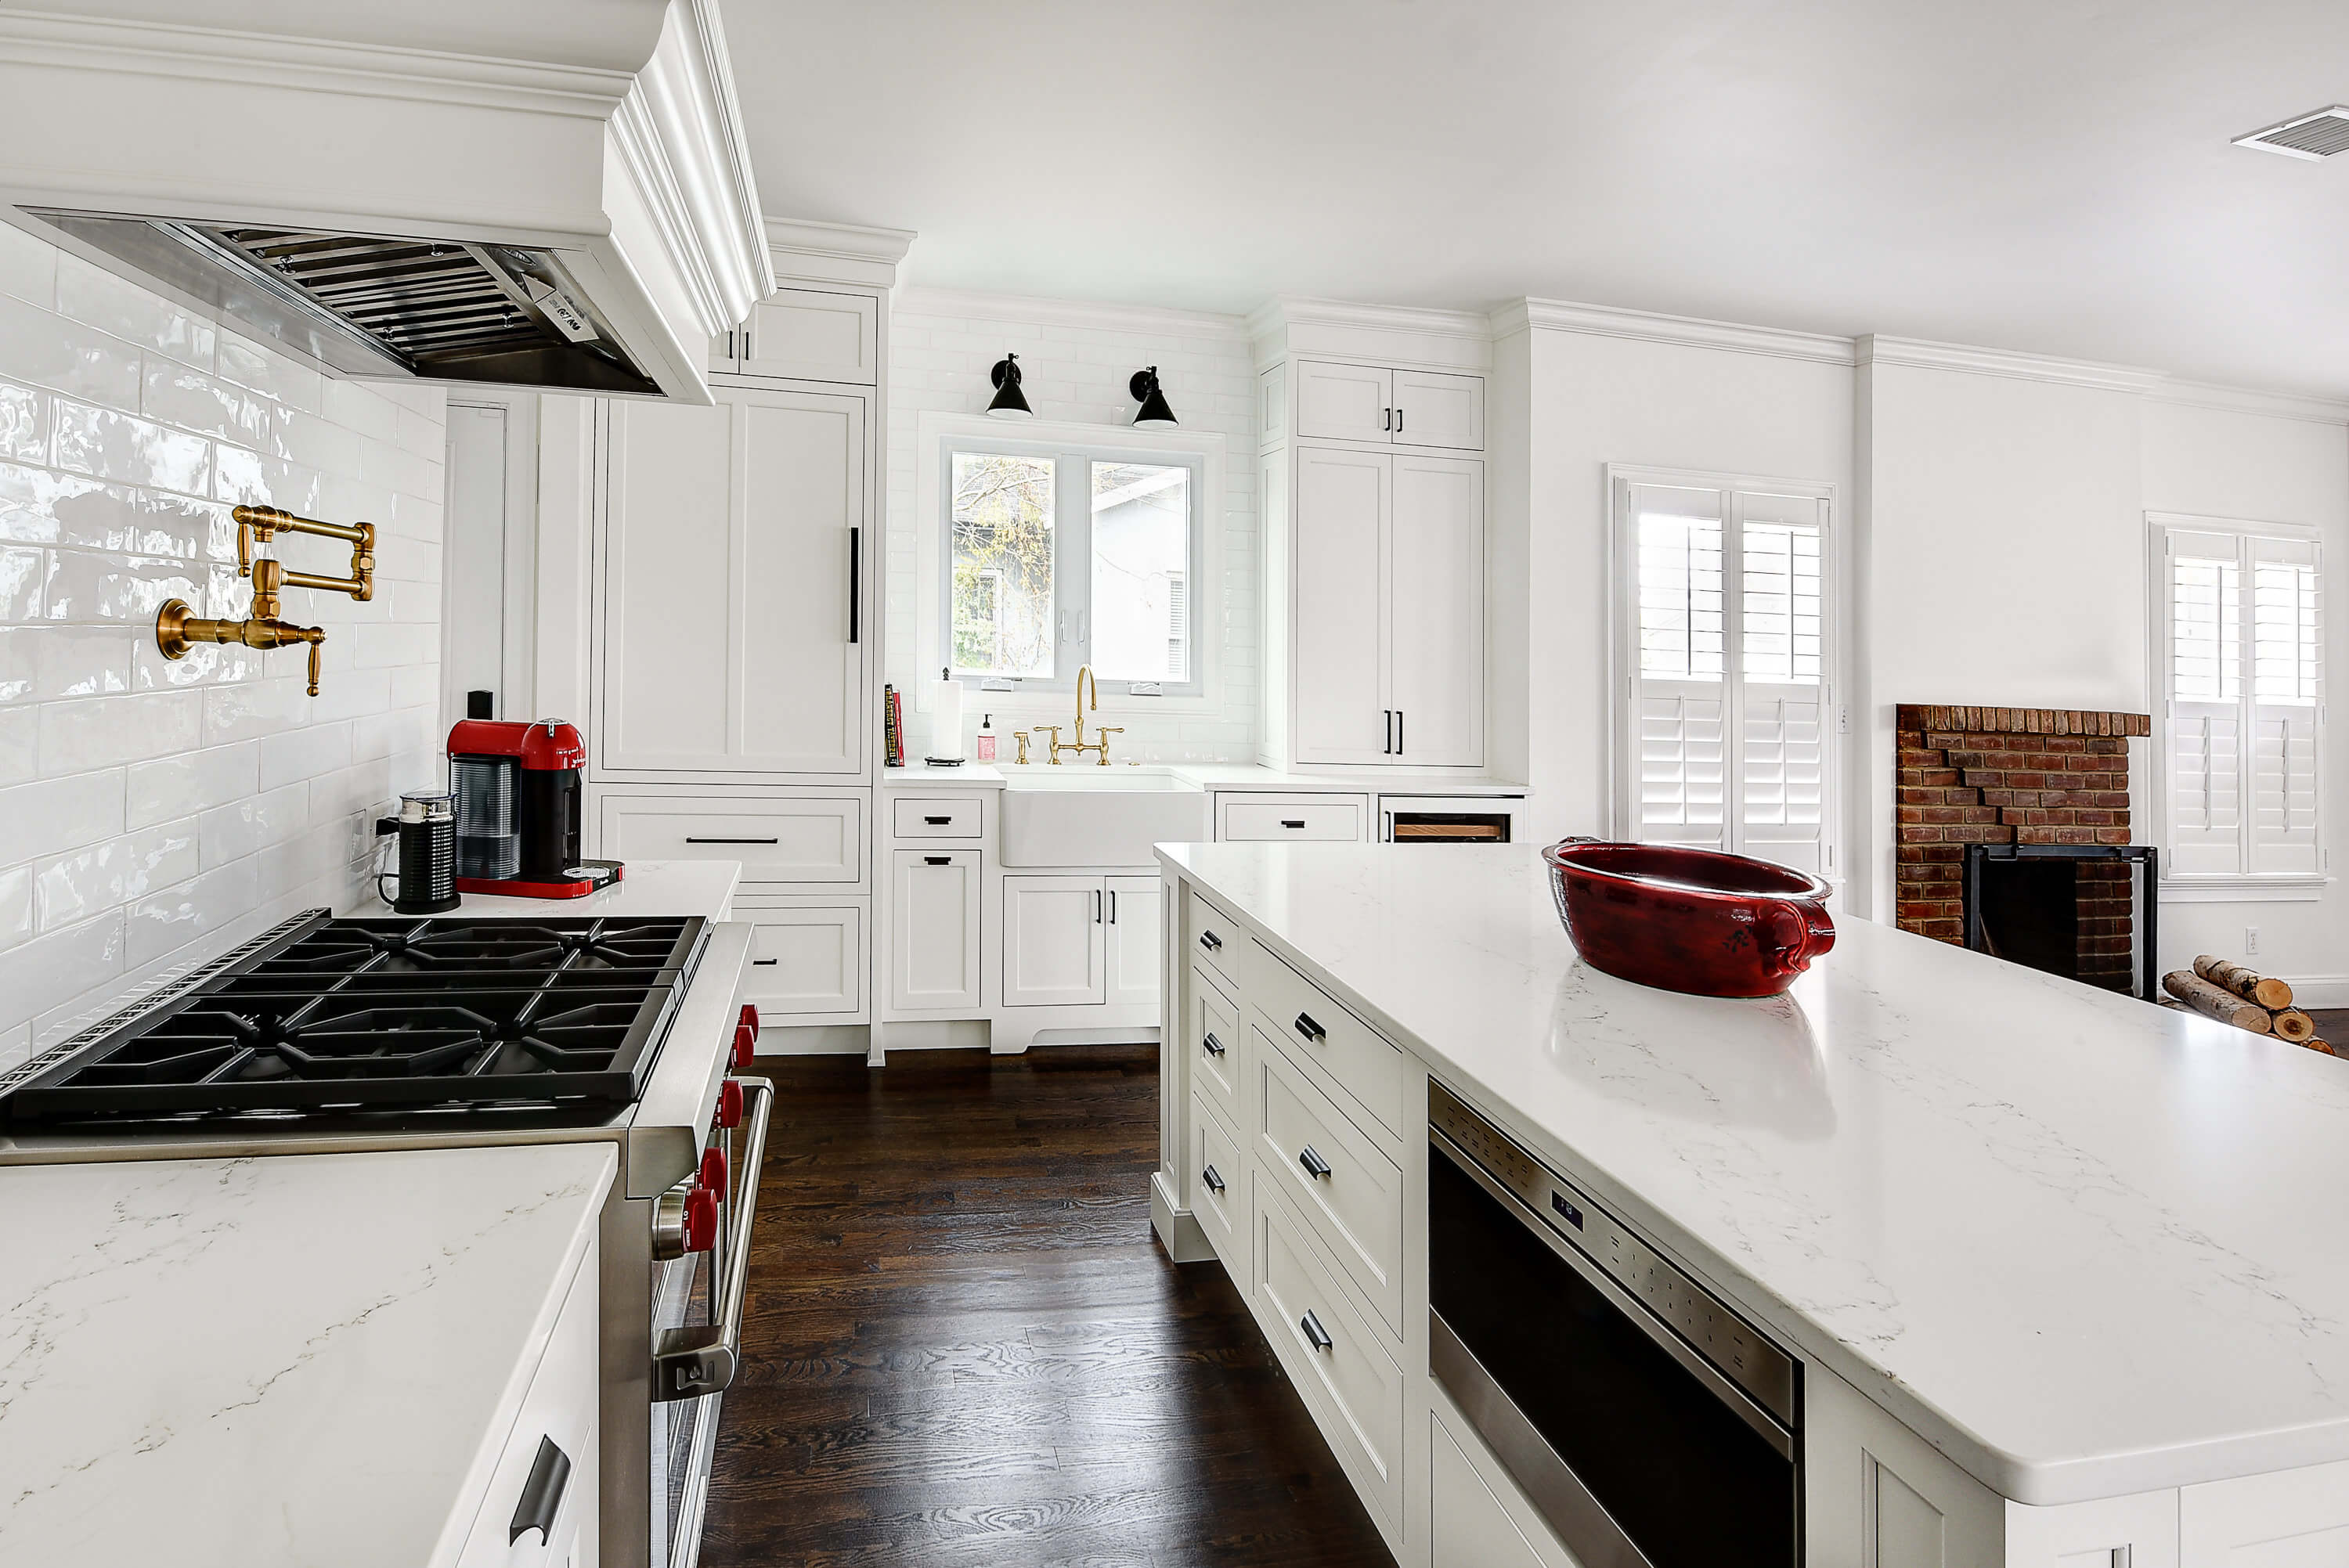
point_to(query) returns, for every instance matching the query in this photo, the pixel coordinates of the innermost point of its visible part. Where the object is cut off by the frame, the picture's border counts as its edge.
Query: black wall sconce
(1146, 391)
(1009, 402)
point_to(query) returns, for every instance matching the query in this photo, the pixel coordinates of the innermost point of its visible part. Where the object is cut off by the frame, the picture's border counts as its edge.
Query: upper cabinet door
(1436, 638)
(1432, 409)
(812, 335)
(729, 556)
(1343, 501)
(1344, 402)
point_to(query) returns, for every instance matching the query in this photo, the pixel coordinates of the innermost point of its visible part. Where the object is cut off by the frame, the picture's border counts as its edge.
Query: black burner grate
(373, 1015)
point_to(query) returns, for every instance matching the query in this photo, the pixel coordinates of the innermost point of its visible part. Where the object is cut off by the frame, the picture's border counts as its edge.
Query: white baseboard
(2319, 990)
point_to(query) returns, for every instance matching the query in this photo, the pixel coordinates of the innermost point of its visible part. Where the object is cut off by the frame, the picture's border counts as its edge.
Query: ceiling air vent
(2318, 134)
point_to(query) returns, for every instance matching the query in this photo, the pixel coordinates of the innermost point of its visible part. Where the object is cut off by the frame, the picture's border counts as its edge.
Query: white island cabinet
(2042, 1260)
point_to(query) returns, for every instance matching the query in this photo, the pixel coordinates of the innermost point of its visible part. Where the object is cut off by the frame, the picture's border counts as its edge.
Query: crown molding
(837, 253)
(1403, 334)
(1683, 331)
(2251, 400)
(1919, 353)
(1094, 316)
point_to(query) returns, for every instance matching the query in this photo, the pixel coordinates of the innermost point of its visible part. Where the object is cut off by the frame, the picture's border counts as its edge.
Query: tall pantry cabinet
(1371, 441)
(735, 632)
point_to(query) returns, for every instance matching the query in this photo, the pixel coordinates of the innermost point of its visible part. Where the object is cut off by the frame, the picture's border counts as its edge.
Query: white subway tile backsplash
(74, 887)
(355, 406)
(57, 966)
(314, 442)
(78, 661)
(15, 907)
(109, 445)
(254, 708)
(42, 347)
(386, 463)
(20, 662)
(83, 585)
(251, 478)
(353, 693)
(20, 750)
(58, 814)
(245, 826)
(40, 506)
(206, 663)
(163, 922)
(23, 423)
(293, 864)
(96, 297)
(24, 582)
(305, 753)
(180, 395)
(28, 267)
(275, 376)
(189, 784)
(106, 731)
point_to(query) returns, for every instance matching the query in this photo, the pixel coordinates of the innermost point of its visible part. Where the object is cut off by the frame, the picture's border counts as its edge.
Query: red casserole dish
(1688, 920)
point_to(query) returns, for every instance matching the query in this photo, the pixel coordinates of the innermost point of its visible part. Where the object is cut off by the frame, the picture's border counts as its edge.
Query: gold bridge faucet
(1086, 683)
(177, 629)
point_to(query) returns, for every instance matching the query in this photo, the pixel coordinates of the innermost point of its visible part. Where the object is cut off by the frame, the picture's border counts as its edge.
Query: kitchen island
(2057, 1262)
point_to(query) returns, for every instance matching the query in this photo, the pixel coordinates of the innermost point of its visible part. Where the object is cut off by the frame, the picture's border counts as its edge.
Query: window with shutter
(2240, 660)
(1723, 724)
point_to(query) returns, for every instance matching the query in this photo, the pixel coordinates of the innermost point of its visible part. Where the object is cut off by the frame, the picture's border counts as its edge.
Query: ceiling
(2047, 175)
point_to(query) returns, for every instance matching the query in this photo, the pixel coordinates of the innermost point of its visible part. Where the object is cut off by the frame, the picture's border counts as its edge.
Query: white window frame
(942, 436)
(2239, 886)
(1623, 650)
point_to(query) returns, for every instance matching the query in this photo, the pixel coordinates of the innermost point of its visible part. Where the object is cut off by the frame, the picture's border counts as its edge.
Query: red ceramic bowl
(1688, 920)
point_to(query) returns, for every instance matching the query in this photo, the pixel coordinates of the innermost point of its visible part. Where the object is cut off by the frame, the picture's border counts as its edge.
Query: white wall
(1075, 361)
(152, 812)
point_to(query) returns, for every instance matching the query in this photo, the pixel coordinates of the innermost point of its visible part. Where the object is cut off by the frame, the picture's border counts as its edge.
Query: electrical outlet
(2251, 940)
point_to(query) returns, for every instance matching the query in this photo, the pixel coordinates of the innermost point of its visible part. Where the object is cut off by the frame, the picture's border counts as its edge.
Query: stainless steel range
(328, 1036)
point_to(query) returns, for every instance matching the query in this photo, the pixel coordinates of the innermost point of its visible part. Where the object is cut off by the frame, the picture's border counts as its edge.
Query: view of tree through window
(1003, 551)
(1141, 552)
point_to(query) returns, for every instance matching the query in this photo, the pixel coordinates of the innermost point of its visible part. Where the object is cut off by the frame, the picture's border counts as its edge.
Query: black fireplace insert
(2022, 903)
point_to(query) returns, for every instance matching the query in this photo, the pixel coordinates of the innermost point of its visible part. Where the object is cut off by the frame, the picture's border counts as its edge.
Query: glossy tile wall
(152, 812)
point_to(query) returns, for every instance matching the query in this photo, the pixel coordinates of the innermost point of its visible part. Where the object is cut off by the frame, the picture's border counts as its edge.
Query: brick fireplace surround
(2014, 775)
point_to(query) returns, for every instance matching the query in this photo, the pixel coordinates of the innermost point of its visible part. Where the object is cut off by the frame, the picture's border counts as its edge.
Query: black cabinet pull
(1292, 821)
(856, 584)
(1386, 733)
(760, 961)
(1315, 1166)
(1215, 1047)
(1210, 941)
(1310, 1030)
(690, 839)
(541, 1494)
(937, 859)
(1315, 1334)
(1113, 906)
(1215, 1182)
(937, 822)
(1097, 906)
(1398, 419)
(1386, 418)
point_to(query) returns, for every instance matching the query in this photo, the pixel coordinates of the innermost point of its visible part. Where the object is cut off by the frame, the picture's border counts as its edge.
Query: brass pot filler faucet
(177, 630)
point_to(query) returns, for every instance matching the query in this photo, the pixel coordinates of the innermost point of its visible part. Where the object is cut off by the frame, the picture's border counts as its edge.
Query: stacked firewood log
(2243, 998)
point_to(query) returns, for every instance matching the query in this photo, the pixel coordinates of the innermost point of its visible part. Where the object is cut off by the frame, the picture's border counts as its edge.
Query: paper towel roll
(943, 703)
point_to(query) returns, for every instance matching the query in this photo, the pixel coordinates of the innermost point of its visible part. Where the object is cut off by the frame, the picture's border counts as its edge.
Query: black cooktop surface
(326, 1018)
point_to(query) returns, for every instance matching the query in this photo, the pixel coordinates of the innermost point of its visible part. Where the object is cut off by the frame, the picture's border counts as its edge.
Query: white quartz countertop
(1211, 776)
(296, 1360)
(2083, 1245)
(652, 888)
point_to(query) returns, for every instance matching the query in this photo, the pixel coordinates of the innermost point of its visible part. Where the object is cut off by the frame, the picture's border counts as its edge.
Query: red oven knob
(713, 1173)
(750, 1016)
(730, 1104)
(746, 1040)
(700, 1220)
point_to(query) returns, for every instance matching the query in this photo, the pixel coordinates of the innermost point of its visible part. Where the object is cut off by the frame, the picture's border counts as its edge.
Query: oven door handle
(702, 1358)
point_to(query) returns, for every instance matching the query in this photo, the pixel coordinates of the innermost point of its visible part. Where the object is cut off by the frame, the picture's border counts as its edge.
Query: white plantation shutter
(1727, 725)
(2242, 653)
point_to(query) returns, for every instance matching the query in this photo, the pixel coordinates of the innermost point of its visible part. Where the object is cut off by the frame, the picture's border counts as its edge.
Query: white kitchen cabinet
(1435, 409)
(1389, 407)
(1387, 623)
(798, 840)
(559, 1411)
(1055, 941)
(1136, 945)
(1468, 1525)
(730, 571)
(2290, 1519)
(806, 335)
(934, 924)
(805, 961)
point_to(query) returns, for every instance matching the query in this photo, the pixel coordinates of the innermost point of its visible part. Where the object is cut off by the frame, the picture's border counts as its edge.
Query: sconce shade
(1009, 404)
(1145, 390)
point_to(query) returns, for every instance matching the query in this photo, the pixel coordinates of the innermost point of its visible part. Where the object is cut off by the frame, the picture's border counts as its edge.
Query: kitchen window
(1059, 556)
(1724, 706)
(2241, 653)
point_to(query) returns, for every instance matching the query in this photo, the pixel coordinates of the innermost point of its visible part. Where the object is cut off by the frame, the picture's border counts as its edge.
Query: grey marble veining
(2084, 1245)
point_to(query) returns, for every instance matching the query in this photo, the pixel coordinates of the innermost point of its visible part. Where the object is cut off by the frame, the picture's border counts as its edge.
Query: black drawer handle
(1215, 1047)
(937, 822)
(1215, 1182)
(541, 1494)
(1292, 821)
(937, 859)
(1315, 1166)
(1312, 1030)
(691, 839)
(1211, 941)
(1315, 1334)
(765, 961)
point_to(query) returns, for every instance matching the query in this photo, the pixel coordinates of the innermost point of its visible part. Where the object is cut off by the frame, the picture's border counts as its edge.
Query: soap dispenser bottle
(987, 739)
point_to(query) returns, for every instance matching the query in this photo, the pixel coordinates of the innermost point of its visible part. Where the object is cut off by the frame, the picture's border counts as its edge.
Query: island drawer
(1350, 1193)
(1334, 1356)
(559, 1409)
(1214, 1026)
(1219, 1187)
(961, 818)
(1212, 936)
(1312, 1028)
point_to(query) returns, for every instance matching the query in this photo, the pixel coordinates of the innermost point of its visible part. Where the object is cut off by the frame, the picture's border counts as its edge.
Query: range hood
(552, 194)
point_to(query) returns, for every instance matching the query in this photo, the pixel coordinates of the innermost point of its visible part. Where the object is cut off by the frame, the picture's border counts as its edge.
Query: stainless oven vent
(2319, 134)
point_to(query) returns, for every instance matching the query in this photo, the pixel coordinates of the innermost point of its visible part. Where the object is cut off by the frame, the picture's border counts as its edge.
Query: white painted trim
(2319, 991)
(1455, 341)
(1090, 314)
(837, 253)
(1301, 310)
(1917, 353)
(2242, 889)
(1683, 331)
(2251, 400)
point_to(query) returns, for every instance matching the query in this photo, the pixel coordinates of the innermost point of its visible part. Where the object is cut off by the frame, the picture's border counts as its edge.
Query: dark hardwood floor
(963, 1347)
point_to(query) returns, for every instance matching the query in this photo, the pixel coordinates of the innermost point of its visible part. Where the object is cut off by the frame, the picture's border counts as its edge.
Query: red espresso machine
(518, 809)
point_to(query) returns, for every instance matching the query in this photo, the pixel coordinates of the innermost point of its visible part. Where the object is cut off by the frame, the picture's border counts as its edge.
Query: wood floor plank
(962, 1348)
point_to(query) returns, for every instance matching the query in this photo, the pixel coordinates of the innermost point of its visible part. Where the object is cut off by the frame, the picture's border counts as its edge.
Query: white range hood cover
(602, 133)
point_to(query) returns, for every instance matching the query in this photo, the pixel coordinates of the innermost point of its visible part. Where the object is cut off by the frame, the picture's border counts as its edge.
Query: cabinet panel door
(1054, 941)
(934, 928)
(813, 334)
(2290, 1519)
(1432, 409)
(668, 544)
(1343, 501)
(1135, 944)
(798, 679)
(805, 961)
(1436, 647)
(1344, 402)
